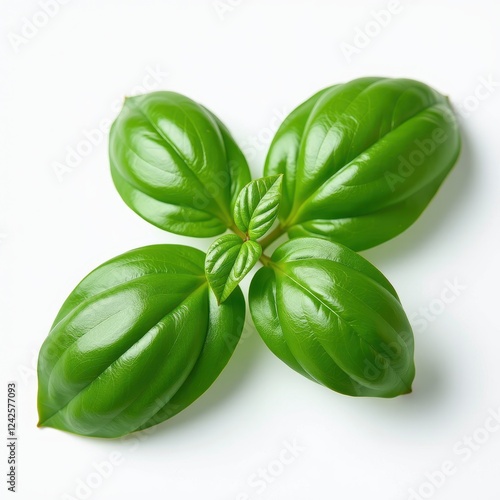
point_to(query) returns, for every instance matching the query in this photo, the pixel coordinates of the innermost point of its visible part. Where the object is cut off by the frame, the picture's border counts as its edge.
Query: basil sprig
(146, 333)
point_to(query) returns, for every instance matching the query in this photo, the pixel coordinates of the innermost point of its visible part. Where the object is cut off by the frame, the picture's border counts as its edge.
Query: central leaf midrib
(296, 213)
(121, 355)
(174, 149)
(213, 215)
(362, 339)
(265, 198)
(117, 286)
(388, 207)
(130, 403)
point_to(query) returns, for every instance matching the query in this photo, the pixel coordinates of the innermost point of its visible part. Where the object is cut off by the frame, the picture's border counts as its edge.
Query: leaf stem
(236, 230)
(265, 259)
(272, 236)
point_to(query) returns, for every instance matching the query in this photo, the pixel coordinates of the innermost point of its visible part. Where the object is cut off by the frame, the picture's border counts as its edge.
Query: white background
(250, 62)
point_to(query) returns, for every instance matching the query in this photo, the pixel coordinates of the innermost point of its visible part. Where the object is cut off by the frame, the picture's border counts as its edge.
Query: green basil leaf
(138, 340)
(176, 165)
(228, 261)
(362, 160)
(330, 315)
(257, 206)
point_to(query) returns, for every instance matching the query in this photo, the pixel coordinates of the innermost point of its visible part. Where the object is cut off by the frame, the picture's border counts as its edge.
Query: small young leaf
(257, 206)
(228, 261)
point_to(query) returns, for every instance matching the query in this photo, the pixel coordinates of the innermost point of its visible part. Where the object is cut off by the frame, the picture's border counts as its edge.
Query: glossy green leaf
(333, 317)
(228, 261)
(176, 165)
(362, 160)
(257, 206)
(138, 340)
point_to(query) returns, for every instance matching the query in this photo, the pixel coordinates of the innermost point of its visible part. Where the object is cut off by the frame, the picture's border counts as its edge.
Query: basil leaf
(257, 206)
(333, 317)
(362, 160)
(228, 261)
(138, 340)
(176, 165)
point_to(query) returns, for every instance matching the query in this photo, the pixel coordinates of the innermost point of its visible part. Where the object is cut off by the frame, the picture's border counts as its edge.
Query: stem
(236, 230)
(272, 236)
(265, 259)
